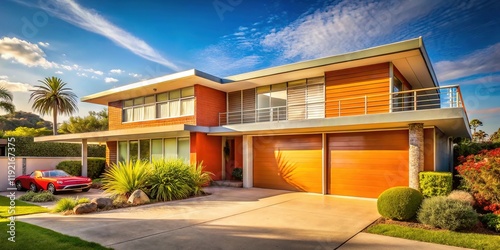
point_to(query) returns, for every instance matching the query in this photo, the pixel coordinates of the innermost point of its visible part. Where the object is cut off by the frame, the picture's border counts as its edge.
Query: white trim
(247, 161)
(391, 85)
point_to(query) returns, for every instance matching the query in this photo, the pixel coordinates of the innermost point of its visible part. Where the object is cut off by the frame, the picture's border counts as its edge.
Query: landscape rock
(85, 208)
(103, 202)
(138, 197)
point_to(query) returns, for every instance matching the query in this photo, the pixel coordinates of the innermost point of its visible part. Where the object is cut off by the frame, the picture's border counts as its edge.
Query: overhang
(451, 121)
(125, 134)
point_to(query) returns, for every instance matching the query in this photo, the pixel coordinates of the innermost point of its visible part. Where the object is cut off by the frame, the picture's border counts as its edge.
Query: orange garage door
(287, 162)
(367, 163)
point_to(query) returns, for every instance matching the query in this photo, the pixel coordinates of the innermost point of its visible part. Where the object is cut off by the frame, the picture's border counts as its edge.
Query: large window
(175, 103)
(154, 149)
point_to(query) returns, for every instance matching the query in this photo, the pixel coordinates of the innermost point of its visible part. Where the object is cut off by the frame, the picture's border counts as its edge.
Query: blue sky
(97, 45)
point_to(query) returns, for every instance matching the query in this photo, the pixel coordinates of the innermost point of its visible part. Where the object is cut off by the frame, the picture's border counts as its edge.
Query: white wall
(32, 164)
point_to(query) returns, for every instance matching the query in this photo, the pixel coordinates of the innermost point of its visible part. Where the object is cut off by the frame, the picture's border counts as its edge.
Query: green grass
(22, 208)
(459, 239)
(30, 236)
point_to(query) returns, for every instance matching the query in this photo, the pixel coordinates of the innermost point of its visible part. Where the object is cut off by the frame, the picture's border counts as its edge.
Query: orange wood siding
(365, 164)
(356, 83)
(111, 152)
(207, 149)
(288, 162)
(209, 103)
(429, 149)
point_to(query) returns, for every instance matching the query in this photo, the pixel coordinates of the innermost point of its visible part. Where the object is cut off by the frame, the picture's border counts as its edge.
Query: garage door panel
(288, 162)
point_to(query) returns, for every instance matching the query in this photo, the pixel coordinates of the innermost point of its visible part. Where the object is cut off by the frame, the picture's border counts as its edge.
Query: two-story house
(353, 124)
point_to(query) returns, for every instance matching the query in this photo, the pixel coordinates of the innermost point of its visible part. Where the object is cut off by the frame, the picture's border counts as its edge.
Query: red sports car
(52, 181)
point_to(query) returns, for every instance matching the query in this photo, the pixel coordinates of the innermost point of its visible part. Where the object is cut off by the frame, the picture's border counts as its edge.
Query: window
(154, 149)
(403, 101)
(175, 103)
(170, 148)
(122, 151)
(144, 152)
(133, 150)
(183, 148)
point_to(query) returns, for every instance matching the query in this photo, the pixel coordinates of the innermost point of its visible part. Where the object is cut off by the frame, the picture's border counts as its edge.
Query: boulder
(103, 202)
(138, 197)
(85, 208)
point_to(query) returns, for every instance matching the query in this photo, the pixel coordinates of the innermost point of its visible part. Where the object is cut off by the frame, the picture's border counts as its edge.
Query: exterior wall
(357, 82)
(401, 77)
(444, 155)
(209, 150)
(429, 149)
(209, 103)
(111, 152)
(238, 151)
(32, 164)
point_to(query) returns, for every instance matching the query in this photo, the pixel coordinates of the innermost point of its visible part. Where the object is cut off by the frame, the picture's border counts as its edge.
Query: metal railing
(410, 100)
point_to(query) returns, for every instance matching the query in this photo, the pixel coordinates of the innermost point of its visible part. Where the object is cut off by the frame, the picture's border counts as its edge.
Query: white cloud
(110, 79)
(43, 44)
(481, 61)
(3, 77)
(15, 86)
(116, 71)
(135, 75)
(221, 60)
(347, 26)
(59, 72)
(97, 72)
(23, 52)
(90, 20)
(81, 74)
(94, 77)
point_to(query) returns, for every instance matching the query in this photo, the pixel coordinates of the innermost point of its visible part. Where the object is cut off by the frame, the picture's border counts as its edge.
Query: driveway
(230, 218)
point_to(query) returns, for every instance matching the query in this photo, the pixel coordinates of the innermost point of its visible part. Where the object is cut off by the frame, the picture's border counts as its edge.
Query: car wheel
(33, 187)
(85, 189)
(19, 186)
(51, 188)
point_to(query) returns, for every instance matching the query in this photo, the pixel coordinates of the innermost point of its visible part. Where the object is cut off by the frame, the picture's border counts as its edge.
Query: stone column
(247, 161)
(416, 153)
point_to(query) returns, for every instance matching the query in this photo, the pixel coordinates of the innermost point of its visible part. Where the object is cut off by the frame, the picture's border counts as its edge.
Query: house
(353, 124)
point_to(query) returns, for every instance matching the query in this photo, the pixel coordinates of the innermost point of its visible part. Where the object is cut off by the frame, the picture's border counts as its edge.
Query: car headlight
(59, 182)
(88, 179)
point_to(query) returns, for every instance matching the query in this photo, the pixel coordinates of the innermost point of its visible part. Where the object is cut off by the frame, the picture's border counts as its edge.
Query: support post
(84, 157)
(416, 153)
(247, 161)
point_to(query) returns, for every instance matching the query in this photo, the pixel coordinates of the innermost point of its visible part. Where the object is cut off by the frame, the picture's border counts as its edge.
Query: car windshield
(55, 173)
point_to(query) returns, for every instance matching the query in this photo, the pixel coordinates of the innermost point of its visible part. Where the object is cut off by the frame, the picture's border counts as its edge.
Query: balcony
(404, 101)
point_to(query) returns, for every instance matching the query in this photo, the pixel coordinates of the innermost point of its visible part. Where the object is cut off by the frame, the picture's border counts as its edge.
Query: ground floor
(361, 163)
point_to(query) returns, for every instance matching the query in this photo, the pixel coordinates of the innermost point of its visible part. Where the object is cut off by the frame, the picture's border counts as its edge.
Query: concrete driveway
(230, 218)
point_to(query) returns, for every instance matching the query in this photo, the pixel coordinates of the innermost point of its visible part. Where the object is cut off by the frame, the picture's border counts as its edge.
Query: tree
(495, 137)
(475, 123)
(27, 132)
(23, 119)
(6, 100)
(479, 136)
(95, 121)
(53, 96)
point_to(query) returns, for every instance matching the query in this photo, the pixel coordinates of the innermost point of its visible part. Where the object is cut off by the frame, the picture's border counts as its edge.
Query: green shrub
(44, 197)
(95, 167)
(199, 178)
(435, 183)
(67, 204)
(170, 180)
(462, 196)
(28, 196)
(125, 178)
(446, 213)
(25, 146)
(399, 203)
(491, 221)
(237, 174)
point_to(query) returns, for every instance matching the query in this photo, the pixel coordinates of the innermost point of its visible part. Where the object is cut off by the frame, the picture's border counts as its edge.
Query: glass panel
(156, 149)
(187, 107)
(122, 151)
(175, 94)
(133, 150)
(144, 150)
(139, 101)
(128, 103)
(162, 110)
(278, 102)
(183, 148)
(138, 113)
(263, 104)
(188, 92)
(149, 99)
(149, 112)
(397, 99)
(170, 148)
(174, 109)
(128, 115)
(162, 97)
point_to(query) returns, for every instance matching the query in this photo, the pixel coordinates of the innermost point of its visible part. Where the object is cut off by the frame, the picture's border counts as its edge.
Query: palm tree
(53, 97)
(6, 100)
(480, 136)
(475, 123)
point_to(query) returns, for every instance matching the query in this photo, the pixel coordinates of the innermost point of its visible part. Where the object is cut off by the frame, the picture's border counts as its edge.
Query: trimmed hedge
(447, 213)
(95, 167)
(25, 146)
(399, 203)
(435, 183)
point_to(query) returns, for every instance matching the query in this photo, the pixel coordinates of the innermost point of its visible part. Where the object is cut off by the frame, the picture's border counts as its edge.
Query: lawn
(22, 208)
(444, 237)
(28, 236)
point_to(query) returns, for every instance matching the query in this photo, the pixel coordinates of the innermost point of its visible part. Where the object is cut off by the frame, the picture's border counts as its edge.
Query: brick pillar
(416, 153)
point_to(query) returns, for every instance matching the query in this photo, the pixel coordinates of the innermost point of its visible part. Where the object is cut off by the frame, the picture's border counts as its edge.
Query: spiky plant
(170, 179)
(125, 178)
(200, 178)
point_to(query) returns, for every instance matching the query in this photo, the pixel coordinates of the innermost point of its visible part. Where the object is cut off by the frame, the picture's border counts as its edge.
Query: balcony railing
(403, 101)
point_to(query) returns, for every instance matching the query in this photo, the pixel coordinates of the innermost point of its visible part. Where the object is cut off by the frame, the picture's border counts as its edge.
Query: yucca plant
(125, 178)
(67, 204)
(170, 180)
(199, 178)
